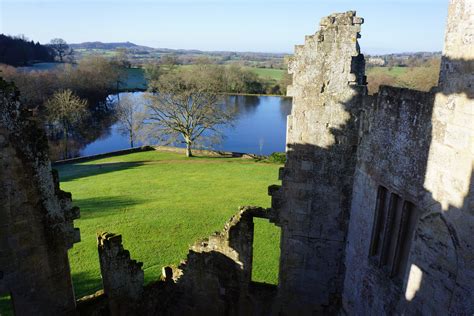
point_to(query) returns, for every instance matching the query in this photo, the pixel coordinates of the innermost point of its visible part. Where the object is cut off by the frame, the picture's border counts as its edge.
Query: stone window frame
(393, 229)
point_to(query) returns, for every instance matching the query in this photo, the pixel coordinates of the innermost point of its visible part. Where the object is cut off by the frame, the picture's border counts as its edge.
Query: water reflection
(259, 128)
(95, 127)
(285, 107)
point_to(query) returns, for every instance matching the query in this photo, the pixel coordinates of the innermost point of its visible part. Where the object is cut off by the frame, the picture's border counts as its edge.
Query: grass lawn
(391, 71)
(162, 203)
(268, 73)
(263, 73)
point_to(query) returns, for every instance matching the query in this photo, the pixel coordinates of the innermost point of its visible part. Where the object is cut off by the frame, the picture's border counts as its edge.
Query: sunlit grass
(162, 203)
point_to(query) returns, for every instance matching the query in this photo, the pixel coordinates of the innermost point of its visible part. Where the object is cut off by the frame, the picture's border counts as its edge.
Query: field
(417, 78)
(268, 73)
(391, 71)
(162, 203)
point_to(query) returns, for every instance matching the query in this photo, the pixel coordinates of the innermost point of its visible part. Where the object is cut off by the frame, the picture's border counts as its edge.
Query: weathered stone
(313, 202)
(36, 227)
(376, 204)
(418, 148)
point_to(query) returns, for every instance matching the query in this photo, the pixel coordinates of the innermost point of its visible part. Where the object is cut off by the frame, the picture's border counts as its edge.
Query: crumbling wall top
(347, 18)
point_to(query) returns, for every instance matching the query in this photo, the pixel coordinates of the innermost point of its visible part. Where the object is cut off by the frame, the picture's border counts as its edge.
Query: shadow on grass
(86, 283)
(77, 171)
(104, 205)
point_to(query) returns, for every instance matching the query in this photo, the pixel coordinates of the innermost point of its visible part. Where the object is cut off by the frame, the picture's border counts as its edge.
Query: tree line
(19, 51)
(69, 99)
(231, 79)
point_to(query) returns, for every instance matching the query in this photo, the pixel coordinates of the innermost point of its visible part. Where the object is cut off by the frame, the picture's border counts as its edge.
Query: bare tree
(186, 105)
(66, 110)
(122, 57)
(61, 48)
(130, 118)
(153, 71)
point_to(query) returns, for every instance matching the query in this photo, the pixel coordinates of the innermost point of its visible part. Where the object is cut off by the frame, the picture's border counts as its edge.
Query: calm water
(260, 127)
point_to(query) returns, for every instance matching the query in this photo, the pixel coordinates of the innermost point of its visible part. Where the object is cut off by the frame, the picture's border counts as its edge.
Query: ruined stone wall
(376, 204)
(215, 278)
(420, 148)
(322, 137)
(122, 277)
(393, 153)
(36, 227)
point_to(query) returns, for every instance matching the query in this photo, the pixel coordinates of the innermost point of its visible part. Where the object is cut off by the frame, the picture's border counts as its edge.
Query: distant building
(376, 61)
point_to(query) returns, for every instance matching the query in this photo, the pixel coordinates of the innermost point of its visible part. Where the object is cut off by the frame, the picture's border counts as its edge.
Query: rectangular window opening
(392, 232)
(407, 229)
(266, 252)
(379, 222)
(6, 305)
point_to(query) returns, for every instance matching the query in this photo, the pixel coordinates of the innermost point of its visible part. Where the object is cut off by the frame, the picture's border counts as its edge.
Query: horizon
(392, 27)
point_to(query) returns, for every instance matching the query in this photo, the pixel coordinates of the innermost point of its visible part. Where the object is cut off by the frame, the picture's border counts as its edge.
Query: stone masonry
(420, 147)
(376, 206)
(36, 226)
(322, 136)
(122, 277)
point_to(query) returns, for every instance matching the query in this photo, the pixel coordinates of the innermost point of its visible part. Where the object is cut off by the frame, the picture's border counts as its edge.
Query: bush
(277, 158)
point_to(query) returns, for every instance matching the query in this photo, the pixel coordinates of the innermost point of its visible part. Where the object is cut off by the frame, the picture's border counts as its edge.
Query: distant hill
(134, 47)
(139, 55)
(110, 46)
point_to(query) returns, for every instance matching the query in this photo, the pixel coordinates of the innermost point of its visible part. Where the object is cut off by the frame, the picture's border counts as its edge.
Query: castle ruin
(376, 206)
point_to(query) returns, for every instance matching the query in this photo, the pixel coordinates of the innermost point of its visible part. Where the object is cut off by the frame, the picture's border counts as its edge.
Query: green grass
(268, 73)
(266, 256)
(263, 73)
(162, 203)
(391, 71)
(6, 306)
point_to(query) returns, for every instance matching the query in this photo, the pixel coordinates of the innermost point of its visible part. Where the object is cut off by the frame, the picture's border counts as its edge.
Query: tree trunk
(66, 154)
(131, 141)
(188, 149)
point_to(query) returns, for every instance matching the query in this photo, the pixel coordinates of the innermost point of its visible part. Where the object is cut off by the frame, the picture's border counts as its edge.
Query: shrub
(277, 158)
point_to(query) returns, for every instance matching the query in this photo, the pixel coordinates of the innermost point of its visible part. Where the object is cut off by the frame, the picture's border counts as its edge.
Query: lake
(259, 128)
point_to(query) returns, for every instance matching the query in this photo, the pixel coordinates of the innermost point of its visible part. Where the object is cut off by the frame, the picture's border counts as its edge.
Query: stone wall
(424, 153)
(122, 277)
(322, 137)
(393, 153)
(36, 227)
(215, 278)
(376, 204)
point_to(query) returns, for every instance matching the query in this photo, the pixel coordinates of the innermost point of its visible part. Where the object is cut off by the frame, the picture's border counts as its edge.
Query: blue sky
(234, 25)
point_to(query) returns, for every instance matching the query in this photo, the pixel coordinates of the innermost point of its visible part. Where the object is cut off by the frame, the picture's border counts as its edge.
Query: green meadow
(268, 73)
(390, 71)
(162, 203)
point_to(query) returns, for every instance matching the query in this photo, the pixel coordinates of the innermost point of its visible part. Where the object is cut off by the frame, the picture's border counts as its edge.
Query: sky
(391, 26)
